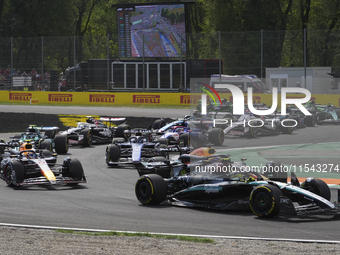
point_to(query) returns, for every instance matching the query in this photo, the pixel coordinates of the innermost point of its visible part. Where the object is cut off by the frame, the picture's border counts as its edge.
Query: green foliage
(93, 22)
(35, 18)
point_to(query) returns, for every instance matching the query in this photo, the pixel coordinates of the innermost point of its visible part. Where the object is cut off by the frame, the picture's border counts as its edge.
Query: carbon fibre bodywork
(237, 191)
(95, 131)
(39, 167)
(140, 147)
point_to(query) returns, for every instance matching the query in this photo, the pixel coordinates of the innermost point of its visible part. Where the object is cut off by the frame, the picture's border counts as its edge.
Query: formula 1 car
(41, 138)
(237, 191)
(216, 107)
(192, 131)
(175, 132)
(139, 147)
(302, 120)
(38, 167)
(200, 158)
(324, 113)
(251, 126)
(95, 131)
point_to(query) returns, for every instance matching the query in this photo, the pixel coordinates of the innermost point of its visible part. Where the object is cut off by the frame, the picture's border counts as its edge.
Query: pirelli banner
(137, 98)
(96, 98)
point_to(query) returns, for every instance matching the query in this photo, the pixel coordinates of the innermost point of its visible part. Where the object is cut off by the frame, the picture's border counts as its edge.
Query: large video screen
(151, 31)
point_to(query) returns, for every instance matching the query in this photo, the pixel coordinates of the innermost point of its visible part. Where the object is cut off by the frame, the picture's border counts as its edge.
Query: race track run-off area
(108, 202)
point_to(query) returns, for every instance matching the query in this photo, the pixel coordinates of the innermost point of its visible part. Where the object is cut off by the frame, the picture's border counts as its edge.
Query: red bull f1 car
(30, 166)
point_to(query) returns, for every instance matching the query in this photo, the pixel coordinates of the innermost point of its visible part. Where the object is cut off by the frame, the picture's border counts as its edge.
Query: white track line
(172, 234)
(268, 146)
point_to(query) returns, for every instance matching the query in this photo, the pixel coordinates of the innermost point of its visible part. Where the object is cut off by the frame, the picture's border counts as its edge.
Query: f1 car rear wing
(106, 120)
(42, 128)
(140, 132)
(112, 119)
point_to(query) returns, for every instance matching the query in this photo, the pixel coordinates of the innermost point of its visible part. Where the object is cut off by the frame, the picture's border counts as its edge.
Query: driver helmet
(25, 146)
(142, 140)
(29, 136)
(29, 154)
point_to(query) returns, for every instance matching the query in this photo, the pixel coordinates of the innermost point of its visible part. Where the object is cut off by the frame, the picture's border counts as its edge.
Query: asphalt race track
(108, 202)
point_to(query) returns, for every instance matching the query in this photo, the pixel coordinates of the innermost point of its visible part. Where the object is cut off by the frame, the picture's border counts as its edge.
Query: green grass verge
(115, 233)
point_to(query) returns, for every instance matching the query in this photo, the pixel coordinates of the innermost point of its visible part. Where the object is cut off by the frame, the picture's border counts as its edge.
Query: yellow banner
(137, 98)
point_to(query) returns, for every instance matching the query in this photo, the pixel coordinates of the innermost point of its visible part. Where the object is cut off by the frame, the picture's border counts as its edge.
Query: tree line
(238, 21)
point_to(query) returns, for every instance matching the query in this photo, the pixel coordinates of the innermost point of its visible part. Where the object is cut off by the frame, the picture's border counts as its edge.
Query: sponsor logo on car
(212, 189)
(236, 132)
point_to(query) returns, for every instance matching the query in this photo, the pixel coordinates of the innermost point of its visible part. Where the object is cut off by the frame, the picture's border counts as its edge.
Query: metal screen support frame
(158, 75)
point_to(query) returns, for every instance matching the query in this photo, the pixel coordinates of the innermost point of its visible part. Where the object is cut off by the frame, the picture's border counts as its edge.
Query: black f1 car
(251, 126)
(96, 131)
(237, 191)
(38, 167)
(203, 157)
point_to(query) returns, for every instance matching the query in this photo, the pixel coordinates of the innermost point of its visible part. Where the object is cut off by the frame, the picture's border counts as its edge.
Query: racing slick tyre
(118, 140)
(151, 189)
(310, 120)
(50, 133)
(287, 130)
(319, 118)
(185, 138)
(50, 159)
(159, 124)
(163, 142)
(112, 154)
(318, 187)
(61, 144)
(253, 132)
(45, 144)
(73, 168)
(216, 136)
(274, 171)
(264, 201)
(2, 147)
(14, 172)
(46, 153)
(88, 137)
(120, 131)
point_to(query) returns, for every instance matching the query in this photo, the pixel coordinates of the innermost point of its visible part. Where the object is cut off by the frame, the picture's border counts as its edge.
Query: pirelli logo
(60, 97)
(20, 96)
(187, 99)
(106, 98)
(146, 99)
